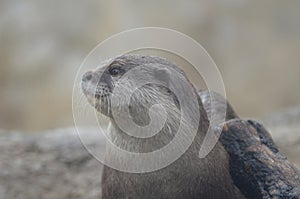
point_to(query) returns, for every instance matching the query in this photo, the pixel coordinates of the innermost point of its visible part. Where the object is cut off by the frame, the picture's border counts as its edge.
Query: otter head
(139, 83)
(98, 85)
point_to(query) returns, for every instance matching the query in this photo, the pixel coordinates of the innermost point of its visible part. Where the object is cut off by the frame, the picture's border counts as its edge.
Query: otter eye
(114, 71)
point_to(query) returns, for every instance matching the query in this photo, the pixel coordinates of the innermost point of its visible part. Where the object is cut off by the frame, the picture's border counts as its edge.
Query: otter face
(98, 85)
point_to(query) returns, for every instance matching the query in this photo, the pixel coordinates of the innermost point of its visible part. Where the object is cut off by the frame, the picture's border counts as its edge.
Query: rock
(54, 164)
(48, 165)
(285, 130)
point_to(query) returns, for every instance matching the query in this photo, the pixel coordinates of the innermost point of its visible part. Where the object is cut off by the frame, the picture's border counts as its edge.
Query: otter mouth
(102, 91)
(98, 95)
(101, 102)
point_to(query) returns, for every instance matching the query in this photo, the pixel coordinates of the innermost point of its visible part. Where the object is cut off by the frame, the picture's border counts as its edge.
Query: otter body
(188, 177)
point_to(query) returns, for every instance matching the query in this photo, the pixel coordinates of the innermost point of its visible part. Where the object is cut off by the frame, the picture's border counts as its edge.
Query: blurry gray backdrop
(255, 44)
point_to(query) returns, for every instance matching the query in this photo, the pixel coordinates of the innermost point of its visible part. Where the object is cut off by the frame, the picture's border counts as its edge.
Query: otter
(187, 177)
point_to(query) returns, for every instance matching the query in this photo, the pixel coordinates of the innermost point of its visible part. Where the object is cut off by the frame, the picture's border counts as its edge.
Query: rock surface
(285, 130)
(48, 165)
(55, 164)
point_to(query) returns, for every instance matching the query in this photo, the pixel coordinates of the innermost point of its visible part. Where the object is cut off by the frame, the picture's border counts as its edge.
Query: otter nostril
(87, 76)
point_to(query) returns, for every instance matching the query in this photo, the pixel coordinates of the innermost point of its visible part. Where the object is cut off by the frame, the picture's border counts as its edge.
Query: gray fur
(187, 177)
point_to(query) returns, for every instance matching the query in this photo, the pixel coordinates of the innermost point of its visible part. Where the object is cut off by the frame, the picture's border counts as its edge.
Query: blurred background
(255, 44)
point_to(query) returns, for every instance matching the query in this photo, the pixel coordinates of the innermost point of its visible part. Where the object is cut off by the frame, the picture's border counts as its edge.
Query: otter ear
(163, 75)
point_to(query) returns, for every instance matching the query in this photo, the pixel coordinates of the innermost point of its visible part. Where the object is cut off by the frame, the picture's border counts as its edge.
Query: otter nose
(87, 76)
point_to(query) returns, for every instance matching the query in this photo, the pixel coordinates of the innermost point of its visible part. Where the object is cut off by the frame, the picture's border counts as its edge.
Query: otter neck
(162, 138)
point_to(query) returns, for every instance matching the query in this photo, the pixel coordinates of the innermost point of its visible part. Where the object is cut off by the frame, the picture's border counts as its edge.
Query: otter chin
(244, 163)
